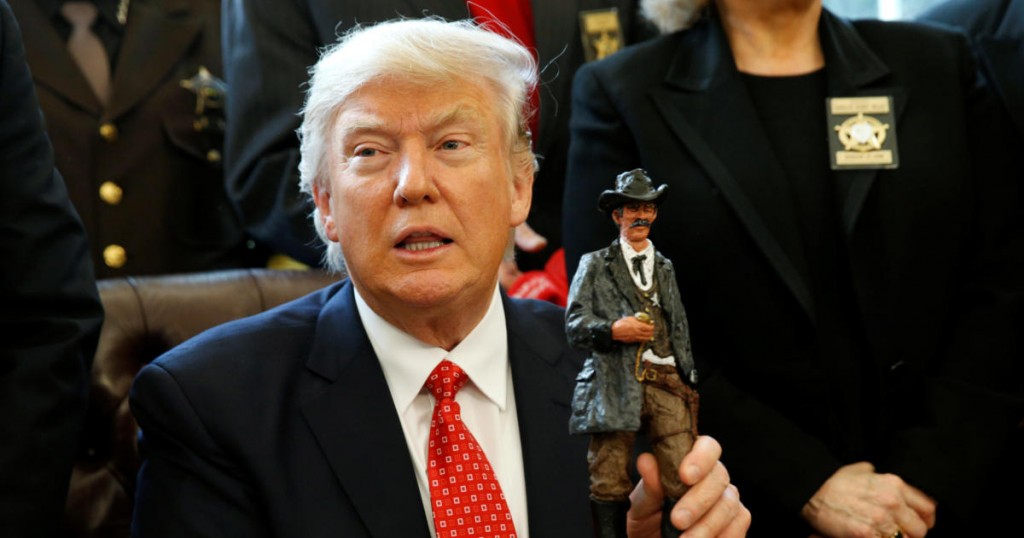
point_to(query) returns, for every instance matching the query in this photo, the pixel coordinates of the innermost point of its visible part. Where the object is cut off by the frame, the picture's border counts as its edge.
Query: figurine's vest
(661, 345)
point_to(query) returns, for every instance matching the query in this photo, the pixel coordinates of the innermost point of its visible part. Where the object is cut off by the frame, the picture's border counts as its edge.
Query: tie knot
(79, 14)
(445, 380)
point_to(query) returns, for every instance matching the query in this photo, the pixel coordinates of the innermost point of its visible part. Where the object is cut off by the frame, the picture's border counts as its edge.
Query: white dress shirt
(487, 400)
(648, 268)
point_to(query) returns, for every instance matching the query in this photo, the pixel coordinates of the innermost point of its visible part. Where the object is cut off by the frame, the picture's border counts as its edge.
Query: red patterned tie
(465, 496)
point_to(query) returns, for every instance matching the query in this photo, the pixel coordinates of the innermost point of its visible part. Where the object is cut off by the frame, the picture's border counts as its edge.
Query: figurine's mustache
(640, 222)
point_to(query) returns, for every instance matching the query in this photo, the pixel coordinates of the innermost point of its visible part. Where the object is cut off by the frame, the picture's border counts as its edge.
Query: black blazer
(50, 312)
(934, 268)
(997, 28)
(268, 48)
(282, 425)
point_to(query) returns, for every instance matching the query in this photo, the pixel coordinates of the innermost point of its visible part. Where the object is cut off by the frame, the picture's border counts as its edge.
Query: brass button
(111, 192)
(108, 131)
(115, 256)
(213, 156)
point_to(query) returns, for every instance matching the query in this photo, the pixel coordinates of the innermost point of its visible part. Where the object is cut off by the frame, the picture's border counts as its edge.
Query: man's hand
(631, 330)
(711, 507)
(528, 240)
(857, 501)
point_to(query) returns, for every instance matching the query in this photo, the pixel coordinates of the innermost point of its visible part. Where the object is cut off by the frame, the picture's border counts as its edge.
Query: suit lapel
(355, 424)
(141, 63)
(853, 69)
(543, 381)
(706, 105)
(616, 264)
(51, 64)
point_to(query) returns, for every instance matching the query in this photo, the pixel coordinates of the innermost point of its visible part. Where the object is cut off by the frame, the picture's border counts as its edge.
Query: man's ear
(522, 191)
(322, 198)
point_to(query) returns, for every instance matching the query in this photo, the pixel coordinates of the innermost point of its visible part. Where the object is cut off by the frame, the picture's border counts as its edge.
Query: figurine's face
(635, 221)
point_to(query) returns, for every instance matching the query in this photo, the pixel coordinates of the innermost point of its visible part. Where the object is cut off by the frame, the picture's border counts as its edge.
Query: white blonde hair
(672, 15)
(425, 51)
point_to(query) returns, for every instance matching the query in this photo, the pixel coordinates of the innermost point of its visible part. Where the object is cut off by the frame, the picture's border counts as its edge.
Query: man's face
(635, 221)
(423, 193)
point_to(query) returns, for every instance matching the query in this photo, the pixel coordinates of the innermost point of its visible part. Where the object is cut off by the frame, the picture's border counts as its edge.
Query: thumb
(647, 496)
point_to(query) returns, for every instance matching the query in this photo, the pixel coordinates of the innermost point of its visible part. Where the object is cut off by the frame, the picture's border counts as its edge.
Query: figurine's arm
(585, 323)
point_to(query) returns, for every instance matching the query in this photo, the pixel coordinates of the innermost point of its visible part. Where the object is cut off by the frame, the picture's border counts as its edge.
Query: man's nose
(415, 181)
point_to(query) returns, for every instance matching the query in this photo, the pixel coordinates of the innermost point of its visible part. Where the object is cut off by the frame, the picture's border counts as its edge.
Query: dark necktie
(638, 268)
(465, 497)
(87, 49)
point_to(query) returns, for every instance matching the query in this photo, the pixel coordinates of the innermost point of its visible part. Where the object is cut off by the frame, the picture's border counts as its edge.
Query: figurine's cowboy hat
(631, 186)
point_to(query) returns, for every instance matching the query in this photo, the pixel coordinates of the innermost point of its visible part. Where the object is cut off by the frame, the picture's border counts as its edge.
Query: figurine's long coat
(607, 395)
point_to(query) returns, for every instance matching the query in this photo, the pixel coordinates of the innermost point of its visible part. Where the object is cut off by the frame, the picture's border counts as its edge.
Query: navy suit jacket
(282, 425)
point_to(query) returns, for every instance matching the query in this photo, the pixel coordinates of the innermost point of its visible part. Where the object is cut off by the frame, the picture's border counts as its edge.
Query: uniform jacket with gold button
(144, 172)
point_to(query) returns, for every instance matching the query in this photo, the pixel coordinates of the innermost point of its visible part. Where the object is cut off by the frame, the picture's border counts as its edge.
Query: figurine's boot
(667, 529)
(609, 518)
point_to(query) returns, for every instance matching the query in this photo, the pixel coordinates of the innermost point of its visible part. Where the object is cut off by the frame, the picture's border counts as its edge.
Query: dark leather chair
(146, 316)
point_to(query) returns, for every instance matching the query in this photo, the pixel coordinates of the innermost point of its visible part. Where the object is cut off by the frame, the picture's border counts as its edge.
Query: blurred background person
(135, 109)
(50, 313)
(269, 46)
(851, 268)
(996, 28)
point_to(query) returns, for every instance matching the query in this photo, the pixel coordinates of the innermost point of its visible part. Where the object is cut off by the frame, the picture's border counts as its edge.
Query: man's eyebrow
(457, 114)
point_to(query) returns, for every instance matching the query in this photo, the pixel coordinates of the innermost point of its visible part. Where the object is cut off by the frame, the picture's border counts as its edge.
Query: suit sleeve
(50, 312)
(269, 46)
(187, 485)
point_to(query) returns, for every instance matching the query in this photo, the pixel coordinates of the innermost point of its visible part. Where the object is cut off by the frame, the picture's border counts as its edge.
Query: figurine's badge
(862, 132)
(601, 33)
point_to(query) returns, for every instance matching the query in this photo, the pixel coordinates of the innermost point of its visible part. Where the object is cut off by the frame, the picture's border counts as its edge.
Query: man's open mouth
(418, 241)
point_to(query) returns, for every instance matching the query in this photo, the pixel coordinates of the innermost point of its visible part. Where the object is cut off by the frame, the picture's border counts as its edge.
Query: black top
(792, 112)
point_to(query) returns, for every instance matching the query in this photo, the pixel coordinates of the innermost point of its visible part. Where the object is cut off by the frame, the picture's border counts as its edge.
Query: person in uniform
(135, 109)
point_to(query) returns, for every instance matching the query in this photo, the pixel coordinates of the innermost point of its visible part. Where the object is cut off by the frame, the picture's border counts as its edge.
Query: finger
(529, 240)
(700, 460)
(910, 523)
(717, 518)
(739, 525)
(701, 497)
(647, 496)
(922, 504)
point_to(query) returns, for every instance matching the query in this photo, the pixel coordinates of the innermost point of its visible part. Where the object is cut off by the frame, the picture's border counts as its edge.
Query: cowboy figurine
(624, 309)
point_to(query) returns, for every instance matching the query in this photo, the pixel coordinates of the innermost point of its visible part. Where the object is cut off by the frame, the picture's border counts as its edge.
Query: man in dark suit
(50, 313)
(857, 327)
(314, 419)
(142, 158)
(997, 29)
(625, 311)
(269, 46)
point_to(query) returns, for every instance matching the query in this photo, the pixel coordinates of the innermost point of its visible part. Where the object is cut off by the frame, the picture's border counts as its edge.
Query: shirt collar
(629, 253)
(407, 362)
(107, 10)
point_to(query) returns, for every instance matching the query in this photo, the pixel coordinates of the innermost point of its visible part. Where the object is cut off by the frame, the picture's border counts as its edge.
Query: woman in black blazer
(852, 267)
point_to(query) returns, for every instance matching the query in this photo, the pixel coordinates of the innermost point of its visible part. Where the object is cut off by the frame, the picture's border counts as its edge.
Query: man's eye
(365, 152)
(451, 144)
